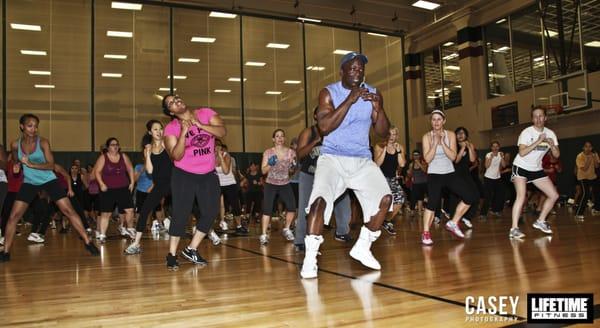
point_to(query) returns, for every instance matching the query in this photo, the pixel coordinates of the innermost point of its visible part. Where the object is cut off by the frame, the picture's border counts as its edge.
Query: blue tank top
(34, 176)
(351, 138)
(145, 180)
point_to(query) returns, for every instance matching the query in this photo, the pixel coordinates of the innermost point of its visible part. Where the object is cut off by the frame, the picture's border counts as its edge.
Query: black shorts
(119, 197)
(285, 193)
(529, 175)
(28, 191)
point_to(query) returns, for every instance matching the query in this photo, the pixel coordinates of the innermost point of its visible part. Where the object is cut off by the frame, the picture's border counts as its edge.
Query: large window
(442, 77)
(499, 58)
(48, 71)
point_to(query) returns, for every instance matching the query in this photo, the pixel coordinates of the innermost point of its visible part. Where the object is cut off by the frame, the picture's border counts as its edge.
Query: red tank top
(115, 174)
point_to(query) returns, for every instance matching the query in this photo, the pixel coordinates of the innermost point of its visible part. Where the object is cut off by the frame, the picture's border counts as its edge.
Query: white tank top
(493, 172)
(441, 164)
(225, 179)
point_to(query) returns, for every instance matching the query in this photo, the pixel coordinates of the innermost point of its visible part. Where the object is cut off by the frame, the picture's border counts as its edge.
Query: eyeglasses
(175, 99)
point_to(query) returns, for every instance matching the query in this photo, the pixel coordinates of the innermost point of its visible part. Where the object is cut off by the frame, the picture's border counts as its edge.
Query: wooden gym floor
(246, 285)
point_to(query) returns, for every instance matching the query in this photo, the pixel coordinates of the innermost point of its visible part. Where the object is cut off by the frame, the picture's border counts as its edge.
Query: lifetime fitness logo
(560, 308)
(485, 309)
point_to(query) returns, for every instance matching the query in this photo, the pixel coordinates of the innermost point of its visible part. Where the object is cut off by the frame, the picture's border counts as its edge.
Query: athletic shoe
(90, 247)
(214, 238)
(192, 255)
(299, 248)
(515, 233)
(454, 229)
(389, 227)
(4, 257)
(131, 232)
(344, 238)
(543, 226)
(437, 220)
(88, 231)
(241, 230)
(223, 226)
(102, 238)
(288, 234)
(426, 238)
(467, 223)
(167, 223)
(35, 238)
(172, 264)
(361, 251)
(309, 264)
(123, 231)
(133, 249)
(264, 239)
(155, 226)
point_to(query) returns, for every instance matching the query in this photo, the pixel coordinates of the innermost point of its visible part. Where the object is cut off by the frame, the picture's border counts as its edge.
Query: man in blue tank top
(347, 110)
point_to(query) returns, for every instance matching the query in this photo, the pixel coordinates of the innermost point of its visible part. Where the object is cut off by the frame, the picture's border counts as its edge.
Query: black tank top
(77, 185)
(253, 181)
(308, 164)
(161, 167)
(390, 164)
(463, 165)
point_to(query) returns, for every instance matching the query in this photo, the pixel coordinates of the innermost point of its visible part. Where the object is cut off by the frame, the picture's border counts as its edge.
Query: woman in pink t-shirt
(190, 142)
(276, 164)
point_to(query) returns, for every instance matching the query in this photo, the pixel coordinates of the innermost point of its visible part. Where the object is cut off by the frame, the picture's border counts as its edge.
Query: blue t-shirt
(145, 180)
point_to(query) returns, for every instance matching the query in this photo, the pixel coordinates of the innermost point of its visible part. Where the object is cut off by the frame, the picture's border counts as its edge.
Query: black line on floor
(380, 284)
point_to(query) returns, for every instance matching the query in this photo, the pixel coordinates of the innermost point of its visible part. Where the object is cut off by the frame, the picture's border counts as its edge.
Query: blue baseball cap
(351, 56)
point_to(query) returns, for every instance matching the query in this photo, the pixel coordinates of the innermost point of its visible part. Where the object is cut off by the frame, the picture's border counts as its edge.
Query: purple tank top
(115, 174)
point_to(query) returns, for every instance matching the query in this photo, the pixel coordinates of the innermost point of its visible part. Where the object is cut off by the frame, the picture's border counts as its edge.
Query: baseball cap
(352, 55)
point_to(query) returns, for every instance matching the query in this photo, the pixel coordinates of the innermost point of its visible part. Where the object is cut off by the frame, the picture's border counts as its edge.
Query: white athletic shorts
(335, 174)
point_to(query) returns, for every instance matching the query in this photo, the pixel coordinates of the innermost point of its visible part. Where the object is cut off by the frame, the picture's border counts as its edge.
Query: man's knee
(386, 202)
(318, 206)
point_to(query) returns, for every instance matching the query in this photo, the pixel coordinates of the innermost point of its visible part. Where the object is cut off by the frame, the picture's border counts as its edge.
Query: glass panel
(500, 72)
(322, 64)
(212, 69)
(590, 11)
(127, 85)
(54, 81)
(563, 56)
(433, 79)
(451, 65)
(274, 92)
(527, 48)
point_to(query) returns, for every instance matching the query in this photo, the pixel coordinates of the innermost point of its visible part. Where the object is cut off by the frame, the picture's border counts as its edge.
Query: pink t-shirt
(199, 157)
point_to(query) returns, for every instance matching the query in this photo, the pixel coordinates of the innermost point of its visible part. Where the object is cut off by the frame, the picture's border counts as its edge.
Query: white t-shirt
(493, 171)
(533, 160)
(3, 176)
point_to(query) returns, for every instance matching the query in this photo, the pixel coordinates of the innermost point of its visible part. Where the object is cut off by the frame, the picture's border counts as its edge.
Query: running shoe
(346, 238)
(389, 227)
(34, 237)
(543, 226)
(288, 234)
(192, 255)
(515, 233)
(454, 229)
(426, 238)
(4, 257)
(223, 225)
(467, 223)
(90, 247)
(241, 230)
(214, 238)
(264, 239)
(133, 249)
(172, 264)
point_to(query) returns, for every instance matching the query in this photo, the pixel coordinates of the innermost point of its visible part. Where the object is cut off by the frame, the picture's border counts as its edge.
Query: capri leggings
(452, 181)
(187, 187)
(286, 195)
(231, 198)
(161, 189)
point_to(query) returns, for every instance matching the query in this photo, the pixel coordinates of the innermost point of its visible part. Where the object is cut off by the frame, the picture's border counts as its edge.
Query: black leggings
(8, 204)
(79, 210)
(187, 187)
(253, 201)
(587, 188)
(417, 193)
(454, 199)
(494, 195)
(231, 198)
(41, 210)
(454, 183)
(160, 190)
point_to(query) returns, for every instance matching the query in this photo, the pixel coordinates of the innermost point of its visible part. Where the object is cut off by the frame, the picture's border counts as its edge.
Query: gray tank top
(441, 164)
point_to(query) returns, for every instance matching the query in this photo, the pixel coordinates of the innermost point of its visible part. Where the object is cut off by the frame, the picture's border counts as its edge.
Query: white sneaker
(309, 265)
(454, 229)
(223, 225)
(288, 234)
(264, 239)
(467, 223)
(361, 251)
(543, 226)
(35, 238)
(97, 234)
(167, 223)
(123, 231)
(155, 226)
(102, 238)
(214, 238)
(131, 232)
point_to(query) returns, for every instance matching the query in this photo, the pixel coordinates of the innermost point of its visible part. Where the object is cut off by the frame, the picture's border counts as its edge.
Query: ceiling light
(44, 86)
(39, 73)
(551, 33)
(292, 82)
(119, 34)
(501, 49)
(458, 86)
(188, 60)
(315, 68)
(111, 56)
(537, 59)
(452, 68)
(125, 5)
(166, 89)
(426, 5)
(501, 21)
(219, 14)
(25, 27)
(236, 79)
(116, 75)
(490, 65)
(273, 92)
(278, 45)
(595, 44)
(450, 56)
(178, 77)
(203, 39)
(498, 76)
(377, 34)
(257, 64)
(449, 43)
(33, 52)
(306, 19)
(222, 91)
(341, 51)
